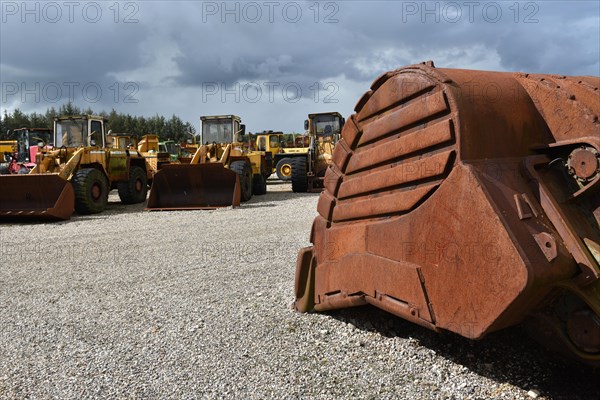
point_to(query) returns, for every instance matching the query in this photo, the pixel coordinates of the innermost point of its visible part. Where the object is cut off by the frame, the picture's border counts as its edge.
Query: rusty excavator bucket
(194, 187)
(35, 196)
(466, 201)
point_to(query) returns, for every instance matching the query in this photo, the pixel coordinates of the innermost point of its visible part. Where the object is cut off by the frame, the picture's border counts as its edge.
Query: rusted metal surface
(36, 196)
(583, 327)
(584, 164)
(466, 201)
(194, 187)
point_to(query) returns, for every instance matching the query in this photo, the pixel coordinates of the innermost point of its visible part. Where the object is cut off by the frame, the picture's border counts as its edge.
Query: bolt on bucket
(194, 187)
(35, 196)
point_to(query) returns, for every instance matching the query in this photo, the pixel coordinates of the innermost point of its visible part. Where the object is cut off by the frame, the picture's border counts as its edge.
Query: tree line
(173, 128)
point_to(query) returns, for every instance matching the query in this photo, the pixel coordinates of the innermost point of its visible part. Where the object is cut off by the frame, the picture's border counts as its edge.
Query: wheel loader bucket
(35, 196)
(194, 187)
(466, 210)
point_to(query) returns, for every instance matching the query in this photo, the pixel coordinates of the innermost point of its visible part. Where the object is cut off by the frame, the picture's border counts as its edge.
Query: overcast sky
(270, 62)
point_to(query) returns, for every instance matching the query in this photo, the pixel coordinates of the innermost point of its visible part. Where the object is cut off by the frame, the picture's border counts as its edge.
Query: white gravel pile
(197, 304)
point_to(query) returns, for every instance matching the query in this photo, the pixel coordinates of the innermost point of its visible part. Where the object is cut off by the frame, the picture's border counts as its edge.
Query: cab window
(262, 143)
(96, 134)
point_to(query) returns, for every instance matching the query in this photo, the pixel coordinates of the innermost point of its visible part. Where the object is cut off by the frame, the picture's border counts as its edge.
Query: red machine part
(465, 201)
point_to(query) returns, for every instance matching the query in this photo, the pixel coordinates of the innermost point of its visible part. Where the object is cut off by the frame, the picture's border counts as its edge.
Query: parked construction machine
(281, 153)
(221, 173)
(269, 143)
(75, 174)
(149, 147)
(8, 152)
(172, 148)
(308, 167)
(464, 210)
(18, 155)
(123, 141)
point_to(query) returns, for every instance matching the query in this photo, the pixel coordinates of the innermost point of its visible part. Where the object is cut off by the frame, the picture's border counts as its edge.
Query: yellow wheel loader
(274, 146)
(76, 173)
(283, 159)
(308, 169)
(8, 147)
(149, 147)
(270, 144)
(221, 173)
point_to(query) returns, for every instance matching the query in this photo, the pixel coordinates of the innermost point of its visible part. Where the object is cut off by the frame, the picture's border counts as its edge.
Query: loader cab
(30, 141)
(122, 141)
(276, 142)
(79, 131)
(170, 147)
(270, 141)
(301, 141)
(325, 127)
(261, 143)
(222, 129)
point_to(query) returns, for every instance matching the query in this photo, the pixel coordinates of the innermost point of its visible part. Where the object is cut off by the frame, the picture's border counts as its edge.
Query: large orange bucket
(36, 196)
(194, 187)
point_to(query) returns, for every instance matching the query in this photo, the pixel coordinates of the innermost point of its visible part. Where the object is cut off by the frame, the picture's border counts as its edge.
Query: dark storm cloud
(264, 51)
(532, 35)
(565, 41)
(177, 47)
(70, 49)
(48, 57)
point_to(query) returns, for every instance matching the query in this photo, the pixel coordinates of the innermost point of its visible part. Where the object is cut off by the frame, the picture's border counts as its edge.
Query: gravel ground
(197, 304)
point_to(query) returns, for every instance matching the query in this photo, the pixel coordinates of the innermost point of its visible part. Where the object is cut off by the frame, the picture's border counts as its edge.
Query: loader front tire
(244, 170)
(284, 169)
(91, 191)
(259, 185)
(299, 175)
(135, 189)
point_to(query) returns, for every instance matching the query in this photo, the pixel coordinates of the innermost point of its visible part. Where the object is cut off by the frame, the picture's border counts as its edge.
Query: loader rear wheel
(299, 175)
(91, 191)
(284, 169)
(259, 185)
(244, 170)
(135, 189)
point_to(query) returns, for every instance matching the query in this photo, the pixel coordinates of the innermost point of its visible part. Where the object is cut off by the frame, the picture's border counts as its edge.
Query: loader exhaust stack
(466, 201)
(36, 196)
(194, 187)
